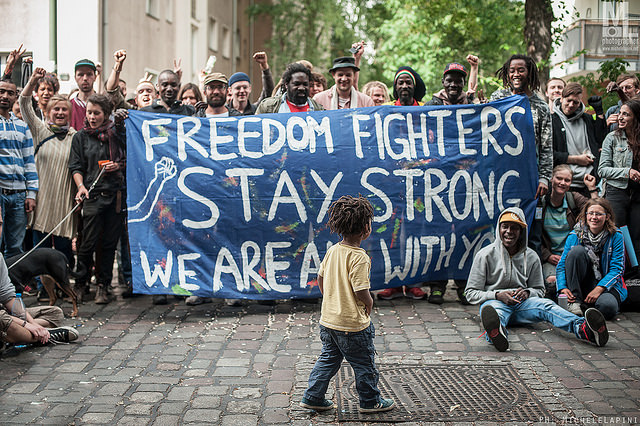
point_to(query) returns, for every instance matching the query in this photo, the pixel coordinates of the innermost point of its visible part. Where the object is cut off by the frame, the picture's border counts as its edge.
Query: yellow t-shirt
(344, 270)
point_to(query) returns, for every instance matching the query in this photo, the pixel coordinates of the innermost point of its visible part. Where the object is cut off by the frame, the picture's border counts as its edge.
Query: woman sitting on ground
(592, 263)
(560, 209)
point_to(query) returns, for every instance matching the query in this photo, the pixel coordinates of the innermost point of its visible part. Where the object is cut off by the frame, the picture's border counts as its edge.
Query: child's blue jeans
(357, 348)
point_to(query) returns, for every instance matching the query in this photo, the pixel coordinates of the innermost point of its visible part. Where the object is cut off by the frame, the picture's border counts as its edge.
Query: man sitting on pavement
(35, 325)
(506, 278)
(343, 94)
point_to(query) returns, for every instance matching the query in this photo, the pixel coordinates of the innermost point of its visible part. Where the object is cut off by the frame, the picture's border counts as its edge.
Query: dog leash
(61, 222)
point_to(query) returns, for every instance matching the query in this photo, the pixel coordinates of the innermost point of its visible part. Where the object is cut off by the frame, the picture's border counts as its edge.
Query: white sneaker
(197, 300)
(575, 309)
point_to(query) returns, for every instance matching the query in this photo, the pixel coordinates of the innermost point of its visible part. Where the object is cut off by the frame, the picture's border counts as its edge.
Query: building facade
(598, 30)
(154, 32)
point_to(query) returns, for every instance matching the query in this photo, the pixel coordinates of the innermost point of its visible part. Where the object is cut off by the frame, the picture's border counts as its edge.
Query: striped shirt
(17, 165)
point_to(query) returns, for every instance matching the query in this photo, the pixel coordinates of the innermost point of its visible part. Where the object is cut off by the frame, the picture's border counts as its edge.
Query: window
(226, 42)
(194, 49)
(194, 9)
(611, 10)
(16, 75)
(169, 10)
(213, 34)
(153, 8)
(236, 44)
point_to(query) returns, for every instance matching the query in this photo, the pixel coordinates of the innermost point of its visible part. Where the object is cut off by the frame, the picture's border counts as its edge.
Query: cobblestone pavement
(140, 364)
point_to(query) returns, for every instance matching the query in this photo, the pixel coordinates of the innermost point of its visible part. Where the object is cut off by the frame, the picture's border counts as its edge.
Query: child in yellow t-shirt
(346, 329)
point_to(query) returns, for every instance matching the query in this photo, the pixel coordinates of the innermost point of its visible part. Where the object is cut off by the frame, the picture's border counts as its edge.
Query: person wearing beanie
(240, 88)
(408, 88)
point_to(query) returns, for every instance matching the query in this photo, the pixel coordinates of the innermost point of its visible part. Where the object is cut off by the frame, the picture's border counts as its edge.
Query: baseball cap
(512, 217)
(85, 63)
(215, 76)
(455, 67)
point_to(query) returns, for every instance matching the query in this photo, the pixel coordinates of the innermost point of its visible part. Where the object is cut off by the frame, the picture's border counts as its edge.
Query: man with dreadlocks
(520, 77)
(346, 329)
(295, 82)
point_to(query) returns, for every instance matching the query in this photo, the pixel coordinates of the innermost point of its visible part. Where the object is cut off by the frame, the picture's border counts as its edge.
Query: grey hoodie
(577, 137)
(494, 270)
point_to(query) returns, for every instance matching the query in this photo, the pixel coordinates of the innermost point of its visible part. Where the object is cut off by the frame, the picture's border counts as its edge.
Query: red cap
(455, 67)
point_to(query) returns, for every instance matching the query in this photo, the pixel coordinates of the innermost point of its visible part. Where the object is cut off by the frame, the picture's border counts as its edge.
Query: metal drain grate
(444, 393)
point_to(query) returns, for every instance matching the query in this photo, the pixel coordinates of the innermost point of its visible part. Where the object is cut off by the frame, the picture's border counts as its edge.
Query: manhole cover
(445, 393)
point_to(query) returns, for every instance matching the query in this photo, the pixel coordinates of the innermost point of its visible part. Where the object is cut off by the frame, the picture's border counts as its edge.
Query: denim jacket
(615, 160)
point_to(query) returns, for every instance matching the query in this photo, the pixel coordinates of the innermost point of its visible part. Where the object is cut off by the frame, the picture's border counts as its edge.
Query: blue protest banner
(237, 207)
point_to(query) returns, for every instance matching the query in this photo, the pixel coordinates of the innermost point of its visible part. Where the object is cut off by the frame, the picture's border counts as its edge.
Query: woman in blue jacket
(592, 263)
(620, 167)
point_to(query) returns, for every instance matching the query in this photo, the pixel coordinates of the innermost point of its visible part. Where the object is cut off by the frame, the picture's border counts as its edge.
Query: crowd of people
(61, 150)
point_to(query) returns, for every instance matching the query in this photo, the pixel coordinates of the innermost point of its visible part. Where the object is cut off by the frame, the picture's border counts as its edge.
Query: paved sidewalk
(141, 364)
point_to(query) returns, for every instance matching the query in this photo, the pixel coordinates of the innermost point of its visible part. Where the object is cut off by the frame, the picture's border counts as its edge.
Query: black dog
(44, 261)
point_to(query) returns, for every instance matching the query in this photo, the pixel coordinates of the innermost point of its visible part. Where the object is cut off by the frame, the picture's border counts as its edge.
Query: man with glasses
(215, 92)
(628, 87)
(18, 175)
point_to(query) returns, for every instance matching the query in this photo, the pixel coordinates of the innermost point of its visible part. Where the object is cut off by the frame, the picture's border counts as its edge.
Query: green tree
(607, 71)
(429, 34)
(315, 30)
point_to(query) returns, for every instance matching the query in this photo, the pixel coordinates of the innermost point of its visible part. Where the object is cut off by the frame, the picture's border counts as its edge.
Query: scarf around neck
(334, 98)
(106, 134)
(594, 244)
(59, 131)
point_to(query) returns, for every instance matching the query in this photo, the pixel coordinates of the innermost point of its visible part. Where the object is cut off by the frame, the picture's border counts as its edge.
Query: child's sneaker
(318, 406)
(379, 407)
(493, 327)
(594, 327)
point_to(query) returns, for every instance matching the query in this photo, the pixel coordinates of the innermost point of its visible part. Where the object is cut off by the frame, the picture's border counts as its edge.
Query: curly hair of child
(350, 216)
